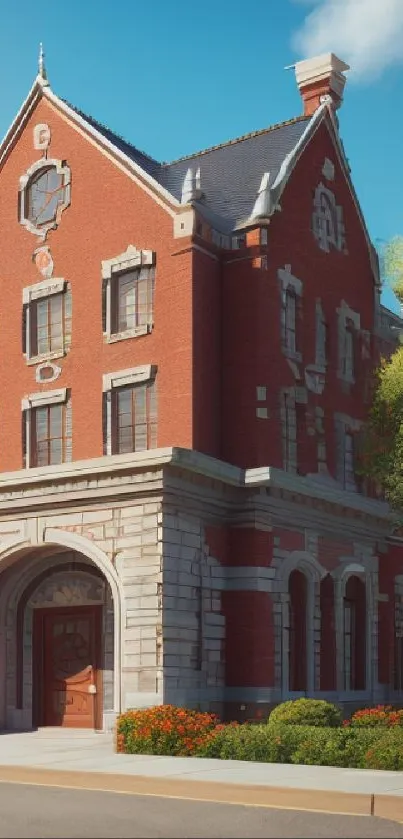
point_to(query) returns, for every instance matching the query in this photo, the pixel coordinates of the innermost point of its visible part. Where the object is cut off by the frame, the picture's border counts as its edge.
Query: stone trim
(346, 314)
(62, 169)
(130, 259)
(131, 376)
(43, 289)
(351, 566)
(49, 397)
(126, 261)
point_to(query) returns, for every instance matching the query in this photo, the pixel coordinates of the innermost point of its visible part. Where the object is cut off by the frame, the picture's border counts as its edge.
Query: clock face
(46, 191)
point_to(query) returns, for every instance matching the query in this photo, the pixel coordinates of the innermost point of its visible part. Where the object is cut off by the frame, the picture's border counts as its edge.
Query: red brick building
(187, 350)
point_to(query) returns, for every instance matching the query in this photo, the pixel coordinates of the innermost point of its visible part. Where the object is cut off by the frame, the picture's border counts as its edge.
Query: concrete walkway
(60, 757)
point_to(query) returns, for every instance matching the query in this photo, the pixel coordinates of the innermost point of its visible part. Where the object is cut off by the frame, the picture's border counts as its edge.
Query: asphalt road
(34, 811)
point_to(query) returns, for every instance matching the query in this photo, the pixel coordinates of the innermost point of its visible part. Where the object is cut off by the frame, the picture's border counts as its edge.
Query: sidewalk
(66, 758)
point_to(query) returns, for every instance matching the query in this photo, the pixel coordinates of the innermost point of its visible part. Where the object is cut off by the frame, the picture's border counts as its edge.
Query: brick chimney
(318, 78)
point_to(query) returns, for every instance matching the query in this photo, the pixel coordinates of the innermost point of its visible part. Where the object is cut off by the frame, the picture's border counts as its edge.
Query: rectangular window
(51, 434)
(132, 301)
(290, 318)
(134, 418)
(49, 325)
(347, 353)
(348, 463)
(349, 644)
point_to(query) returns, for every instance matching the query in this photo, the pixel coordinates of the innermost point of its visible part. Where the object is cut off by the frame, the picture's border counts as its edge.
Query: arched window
(327, 635)
(354, 613)
(298, 601)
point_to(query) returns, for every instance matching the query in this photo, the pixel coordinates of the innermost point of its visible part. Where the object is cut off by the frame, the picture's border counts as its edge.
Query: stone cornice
(98, 478)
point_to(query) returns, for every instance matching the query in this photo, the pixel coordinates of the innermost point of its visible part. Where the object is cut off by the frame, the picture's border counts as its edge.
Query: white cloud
(368, 34)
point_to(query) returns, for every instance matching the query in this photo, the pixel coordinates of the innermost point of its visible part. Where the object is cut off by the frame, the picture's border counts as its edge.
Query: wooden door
(67, 687)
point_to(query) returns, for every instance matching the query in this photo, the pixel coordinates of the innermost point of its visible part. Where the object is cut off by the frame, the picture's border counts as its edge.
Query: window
(298, 604)
(349, 458)
(354, 633)
(130, 410)
(290, 320)
(289, 431)
(132, 300)
(347, 360)
(47, 320)
(51, 321)
(47, 429)
(45, 191)
(134, 412)
(128, 294)
(321, 337)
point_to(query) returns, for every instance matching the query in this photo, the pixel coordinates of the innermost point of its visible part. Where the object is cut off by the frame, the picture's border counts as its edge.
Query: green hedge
(387, 751)
(300, 744)
(302, 711)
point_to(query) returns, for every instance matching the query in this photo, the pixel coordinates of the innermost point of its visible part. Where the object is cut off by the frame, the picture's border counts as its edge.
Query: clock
(44, 194)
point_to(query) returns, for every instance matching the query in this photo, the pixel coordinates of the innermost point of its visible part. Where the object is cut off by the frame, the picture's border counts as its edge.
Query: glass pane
(42, 453)
(56, 421)
(56, 452)
(141, 437)
(125, 442)
(41, 423)
(142, 302)
(140, 404)
(124, 400)
(127, 301)
(42, 312)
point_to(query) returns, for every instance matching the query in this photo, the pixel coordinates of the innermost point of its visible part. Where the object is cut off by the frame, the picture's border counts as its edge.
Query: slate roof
(230, 173)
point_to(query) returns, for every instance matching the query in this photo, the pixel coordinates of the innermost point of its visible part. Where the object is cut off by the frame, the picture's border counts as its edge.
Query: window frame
(32, 297)
(132, 260)
(116, 382)
(32, 173)
(30, 406)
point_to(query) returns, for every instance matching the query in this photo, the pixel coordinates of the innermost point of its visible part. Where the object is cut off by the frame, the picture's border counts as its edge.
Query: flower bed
(302, 732)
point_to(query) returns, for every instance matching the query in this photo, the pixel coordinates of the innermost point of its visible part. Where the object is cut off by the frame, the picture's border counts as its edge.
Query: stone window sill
(293, 356)
(129, 333)
(39, 359)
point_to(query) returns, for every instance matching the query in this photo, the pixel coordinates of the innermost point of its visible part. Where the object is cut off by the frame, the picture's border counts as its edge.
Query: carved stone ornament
(47, 372)
(42, 136)
(327, 221)
(44, 193)
(44, 261)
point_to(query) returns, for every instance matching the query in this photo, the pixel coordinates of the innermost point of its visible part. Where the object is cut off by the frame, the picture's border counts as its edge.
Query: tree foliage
(392, 265)
(381, 455)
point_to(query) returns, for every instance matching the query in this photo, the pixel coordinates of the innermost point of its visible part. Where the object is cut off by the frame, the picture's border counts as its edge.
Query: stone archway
(51, 579)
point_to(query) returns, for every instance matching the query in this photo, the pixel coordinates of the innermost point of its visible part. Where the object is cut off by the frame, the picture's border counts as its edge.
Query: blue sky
(175, 78)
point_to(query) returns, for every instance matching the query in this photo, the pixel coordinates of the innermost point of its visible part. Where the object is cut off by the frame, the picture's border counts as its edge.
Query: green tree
(381, 455)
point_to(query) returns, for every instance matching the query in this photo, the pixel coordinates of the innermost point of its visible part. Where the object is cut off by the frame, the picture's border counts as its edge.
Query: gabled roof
(228, 178)
(230, 173)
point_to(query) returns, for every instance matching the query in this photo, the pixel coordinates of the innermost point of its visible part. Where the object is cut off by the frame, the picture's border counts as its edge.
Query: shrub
(386, 752)
(163, 730)
(263, 743)
(382, 715)
(345, 747)
(315, 712)
(298, 744)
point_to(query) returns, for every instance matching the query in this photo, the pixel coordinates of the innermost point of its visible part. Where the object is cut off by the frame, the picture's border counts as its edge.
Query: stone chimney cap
(314, 69)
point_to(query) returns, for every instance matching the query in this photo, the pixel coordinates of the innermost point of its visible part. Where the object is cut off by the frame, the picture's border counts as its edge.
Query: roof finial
(41, 64)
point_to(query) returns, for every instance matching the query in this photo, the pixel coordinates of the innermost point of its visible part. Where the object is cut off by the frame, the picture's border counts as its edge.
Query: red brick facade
(263, 355)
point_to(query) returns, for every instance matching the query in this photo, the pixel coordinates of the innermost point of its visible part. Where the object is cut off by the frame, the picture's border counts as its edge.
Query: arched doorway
(59, 642)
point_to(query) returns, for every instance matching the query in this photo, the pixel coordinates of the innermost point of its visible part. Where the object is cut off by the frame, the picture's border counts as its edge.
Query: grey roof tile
(230, 174)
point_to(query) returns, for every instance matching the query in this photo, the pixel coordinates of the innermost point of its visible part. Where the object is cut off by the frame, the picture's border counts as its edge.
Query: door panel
(69, 640)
